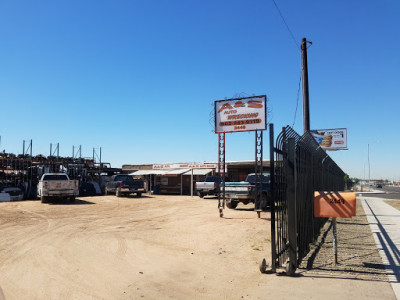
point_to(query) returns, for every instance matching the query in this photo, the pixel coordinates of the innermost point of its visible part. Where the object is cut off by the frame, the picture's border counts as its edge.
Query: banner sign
(331, 139)
(188, 166)
(184, 166)
(241, 114)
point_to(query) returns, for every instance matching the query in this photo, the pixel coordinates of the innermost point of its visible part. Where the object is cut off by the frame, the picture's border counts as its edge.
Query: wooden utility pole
(304, 74)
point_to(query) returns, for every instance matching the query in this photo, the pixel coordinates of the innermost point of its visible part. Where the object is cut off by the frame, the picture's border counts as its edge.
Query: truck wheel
(231, 204)
(72, 199)
(200, 194)
(139, 194)
(118, 192)
(43, 199)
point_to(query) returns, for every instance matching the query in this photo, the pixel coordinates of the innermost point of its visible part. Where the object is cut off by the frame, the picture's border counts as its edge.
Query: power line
(297, 103)
(287, 26)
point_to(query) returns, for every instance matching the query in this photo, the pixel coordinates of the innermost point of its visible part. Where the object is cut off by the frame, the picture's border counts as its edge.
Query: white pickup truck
(57, 185)
(210, 186)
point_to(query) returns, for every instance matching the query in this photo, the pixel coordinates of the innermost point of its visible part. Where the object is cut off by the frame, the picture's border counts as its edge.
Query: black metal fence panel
(300, 168)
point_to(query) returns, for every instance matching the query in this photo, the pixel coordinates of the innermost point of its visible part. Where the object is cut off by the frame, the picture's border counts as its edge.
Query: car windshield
(211, 179)
(252, 178)
(124, 178)
(55, 177)
(214, 179)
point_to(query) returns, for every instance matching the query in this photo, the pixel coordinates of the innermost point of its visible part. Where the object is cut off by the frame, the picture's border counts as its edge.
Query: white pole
(369, 168)
(150, 184)
(191, 184)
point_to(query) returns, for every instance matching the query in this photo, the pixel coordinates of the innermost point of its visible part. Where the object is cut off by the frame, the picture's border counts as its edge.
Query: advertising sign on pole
(241, 114)
(331, 139)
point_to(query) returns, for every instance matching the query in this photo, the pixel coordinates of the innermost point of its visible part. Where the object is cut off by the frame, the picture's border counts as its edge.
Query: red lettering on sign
(225, 106)
(255, 104)
(239, 104)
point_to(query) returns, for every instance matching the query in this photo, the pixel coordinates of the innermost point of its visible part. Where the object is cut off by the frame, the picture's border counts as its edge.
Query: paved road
(384, 221)
(387, 192)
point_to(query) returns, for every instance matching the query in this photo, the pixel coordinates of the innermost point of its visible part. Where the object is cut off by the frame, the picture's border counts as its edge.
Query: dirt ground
(394, 203)
(358, 256)
(154, 247)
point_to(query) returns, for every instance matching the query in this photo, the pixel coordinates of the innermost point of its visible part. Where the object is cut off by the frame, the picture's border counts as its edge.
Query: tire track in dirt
(168, 248)
(25, 238)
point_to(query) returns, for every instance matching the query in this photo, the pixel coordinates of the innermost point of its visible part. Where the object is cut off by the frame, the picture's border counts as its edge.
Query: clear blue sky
(139, 78)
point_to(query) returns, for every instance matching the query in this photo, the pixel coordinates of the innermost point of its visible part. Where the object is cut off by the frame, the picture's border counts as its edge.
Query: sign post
(334, 241)
(240, 115)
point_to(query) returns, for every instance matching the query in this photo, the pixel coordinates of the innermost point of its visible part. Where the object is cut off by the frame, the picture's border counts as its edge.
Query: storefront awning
(148, 172)
(172, 172)
(199, 172)
(177, 171)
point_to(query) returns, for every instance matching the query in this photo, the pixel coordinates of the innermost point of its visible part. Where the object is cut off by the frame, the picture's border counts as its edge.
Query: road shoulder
(384, 221)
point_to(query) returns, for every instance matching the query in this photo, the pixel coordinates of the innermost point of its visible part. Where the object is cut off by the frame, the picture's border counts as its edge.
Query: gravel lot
(106, 247)
(169, 247)
(358, 256)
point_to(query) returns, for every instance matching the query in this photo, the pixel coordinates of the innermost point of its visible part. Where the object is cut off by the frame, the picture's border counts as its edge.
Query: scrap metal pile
(24, 171)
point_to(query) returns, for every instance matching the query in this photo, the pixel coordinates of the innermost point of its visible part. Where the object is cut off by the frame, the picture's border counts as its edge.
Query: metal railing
(300, 168)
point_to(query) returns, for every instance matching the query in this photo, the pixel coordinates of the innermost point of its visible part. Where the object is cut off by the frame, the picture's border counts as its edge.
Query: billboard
(331, 139)
(241, 114)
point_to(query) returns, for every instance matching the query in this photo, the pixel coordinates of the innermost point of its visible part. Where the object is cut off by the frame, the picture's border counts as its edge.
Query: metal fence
(299, 167)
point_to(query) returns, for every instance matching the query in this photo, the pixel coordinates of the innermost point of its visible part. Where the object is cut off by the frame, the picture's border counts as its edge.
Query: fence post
(272, 195)
(291, 207)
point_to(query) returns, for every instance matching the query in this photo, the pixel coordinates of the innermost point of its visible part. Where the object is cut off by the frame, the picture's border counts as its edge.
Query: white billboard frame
(240, 114)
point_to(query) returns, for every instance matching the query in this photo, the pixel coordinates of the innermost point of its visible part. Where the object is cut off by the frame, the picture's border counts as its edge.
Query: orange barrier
(334, 204)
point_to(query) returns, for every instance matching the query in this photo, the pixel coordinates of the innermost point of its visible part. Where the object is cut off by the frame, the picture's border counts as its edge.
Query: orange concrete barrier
(334, 204)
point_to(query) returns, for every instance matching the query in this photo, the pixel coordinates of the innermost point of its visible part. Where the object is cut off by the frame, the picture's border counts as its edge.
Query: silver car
(15, 193)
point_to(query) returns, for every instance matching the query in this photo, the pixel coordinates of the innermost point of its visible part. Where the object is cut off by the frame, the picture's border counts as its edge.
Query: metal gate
(298, 168)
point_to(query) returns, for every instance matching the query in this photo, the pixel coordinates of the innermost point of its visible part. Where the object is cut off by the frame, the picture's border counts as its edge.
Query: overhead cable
(287, 26)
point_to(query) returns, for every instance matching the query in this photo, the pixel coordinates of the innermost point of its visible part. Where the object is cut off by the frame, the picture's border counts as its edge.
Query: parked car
(124, 185)
(245, 191)
(379, 185)
(210, 186)
(15, 193)
(57, 186)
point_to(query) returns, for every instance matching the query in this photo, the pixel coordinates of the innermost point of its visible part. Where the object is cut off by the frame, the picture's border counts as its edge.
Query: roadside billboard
(241, 114)
(331, 139)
